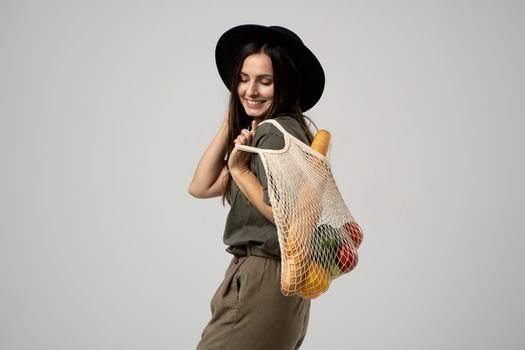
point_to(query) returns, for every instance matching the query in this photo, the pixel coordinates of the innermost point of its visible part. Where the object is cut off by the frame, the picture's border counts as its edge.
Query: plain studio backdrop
(107, 106)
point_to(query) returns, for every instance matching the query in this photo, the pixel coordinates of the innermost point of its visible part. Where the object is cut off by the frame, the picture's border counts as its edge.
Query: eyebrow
(260, 75)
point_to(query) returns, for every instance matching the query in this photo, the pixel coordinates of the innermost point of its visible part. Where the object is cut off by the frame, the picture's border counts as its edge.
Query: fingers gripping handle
(286, 136)
(247, 148)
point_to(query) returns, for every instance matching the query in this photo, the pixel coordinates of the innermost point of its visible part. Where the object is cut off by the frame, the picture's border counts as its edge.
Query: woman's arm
(208, 180)
(249, 184)
(253, 191)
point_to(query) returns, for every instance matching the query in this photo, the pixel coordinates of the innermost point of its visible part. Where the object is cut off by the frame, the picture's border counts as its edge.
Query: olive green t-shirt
(245, 224)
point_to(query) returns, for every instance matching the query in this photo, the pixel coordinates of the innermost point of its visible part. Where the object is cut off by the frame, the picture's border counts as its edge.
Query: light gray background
(106, 107)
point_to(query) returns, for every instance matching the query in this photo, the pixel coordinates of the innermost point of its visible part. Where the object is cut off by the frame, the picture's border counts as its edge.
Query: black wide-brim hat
(310, 69)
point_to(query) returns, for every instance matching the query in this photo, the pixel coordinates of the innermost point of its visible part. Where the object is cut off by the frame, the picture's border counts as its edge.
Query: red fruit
(346, 257)
(355, 232)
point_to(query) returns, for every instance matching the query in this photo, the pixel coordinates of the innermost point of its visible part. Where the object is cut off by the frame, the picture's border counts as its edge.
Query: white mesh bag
(318, 236)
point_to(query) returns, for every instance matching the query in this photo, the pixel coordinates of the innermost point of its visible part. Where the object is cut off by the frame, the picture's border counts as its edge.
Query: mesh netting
(317, 234)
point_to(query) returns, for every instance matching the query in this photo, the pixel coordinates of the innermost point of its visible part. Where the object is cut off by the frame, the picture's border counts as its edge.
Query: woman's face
(256, 84)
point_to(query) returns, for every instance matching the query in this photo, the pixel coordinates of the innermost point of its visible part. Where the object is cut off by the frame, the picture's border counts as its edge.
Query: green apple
(324, 245)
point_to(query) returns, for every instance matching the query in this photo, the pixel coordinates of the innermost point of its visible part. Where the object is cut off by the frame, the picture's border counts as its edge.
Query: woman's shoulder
(271, 133)
(290, 124)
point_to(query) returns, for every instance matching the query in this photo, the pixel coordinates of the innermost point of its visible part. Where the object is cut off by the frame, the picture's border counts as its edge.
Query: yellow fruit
(317, 281)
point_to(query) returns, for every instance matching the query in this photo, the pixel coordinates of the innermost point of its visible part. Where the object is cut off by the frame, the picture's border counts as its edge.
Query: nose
(252, 89)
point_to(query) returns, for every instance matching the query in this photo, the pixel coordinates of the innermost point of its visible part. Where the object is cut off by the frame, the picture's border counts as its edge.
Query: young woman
(270, 74)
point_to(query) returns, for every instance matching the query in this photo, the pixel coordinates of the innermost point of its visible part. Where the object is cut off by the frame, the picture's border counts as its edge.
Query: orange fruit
(316, 282)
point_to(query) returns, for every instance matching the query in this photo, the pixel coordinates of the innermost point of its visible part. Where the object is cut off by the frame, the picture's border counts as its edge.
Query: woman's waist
(250, 250)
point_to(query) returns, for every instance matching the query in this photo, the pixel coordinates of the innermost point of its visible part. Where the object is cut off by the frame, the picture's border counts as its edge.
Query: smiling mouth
(254, 102)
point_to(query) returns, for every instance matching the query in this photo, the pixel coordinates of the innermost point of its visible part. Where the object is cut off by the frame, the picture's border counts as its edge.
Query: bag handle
(286, 135)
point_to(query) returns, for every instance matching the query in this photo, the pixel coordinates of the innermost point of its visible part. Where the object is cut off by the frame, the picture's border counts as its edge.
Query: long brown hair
(286, 82)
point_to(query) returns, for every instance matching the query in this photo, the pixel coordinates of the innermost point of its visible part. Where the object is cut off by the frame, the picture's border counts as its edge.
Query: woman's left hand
(240, 160)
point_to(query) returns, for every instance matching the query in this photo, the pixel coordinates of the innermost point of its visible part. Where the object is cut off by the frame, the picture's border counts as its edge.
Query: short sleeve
(267, 136)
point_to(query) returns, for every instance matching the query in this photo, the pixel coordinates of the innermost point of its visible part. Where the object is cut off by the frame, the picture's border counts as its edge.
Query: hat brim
(310, 69)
